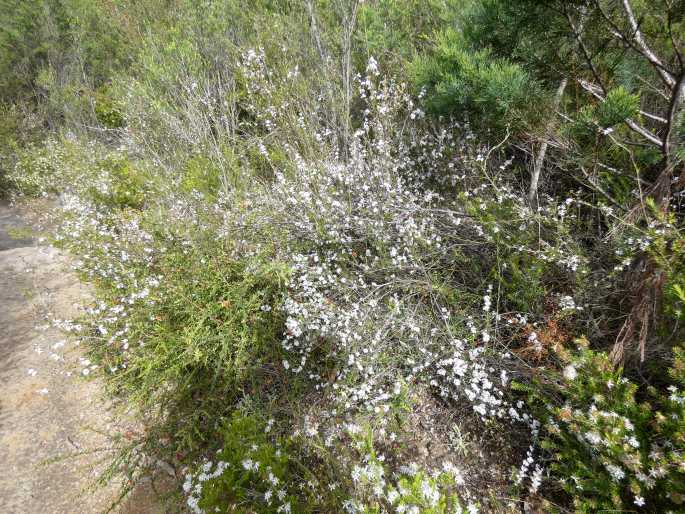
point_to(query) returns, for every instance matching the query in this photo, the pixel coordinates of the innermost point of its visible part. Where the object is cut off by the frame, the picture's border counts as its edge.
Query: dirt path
(51, 418)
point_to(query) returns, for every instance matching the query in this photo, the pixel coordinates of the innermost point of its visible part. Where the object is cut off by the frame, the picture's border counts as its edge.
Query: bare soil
(56, 427)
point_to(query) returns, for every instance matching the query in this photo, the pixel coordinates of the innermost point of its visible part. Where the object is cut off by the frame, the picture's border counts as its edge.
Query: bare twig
(540, 157)
(635, 44)
(646, 51)
(673, 110)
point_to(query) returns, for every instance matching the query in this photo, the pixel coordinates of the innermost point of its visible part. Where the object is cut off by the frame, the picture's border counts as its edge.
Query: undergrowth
(326, 294)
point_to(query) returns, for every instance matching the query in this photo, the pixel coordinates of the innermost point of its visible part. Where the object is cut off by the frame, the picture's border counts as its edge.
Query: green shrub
(414, 490)
(250, 471)
(391, 30)
(491, 92)
(667, 249)
(264, 473)
(204, 322)
(613, 445)
(107, 112)
(123, 186)
(34, 170)
(201, 174)
(9, 132)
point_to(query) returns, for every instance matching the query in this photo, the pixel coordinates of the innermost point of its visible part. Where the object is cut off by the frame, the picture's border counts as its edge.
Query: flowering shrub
(339, 282)
(276, 230)
(32, 170)
(259, 470)
(411, 489)
(181, 348)
(249, 471)
(368, 291)
(336, 288)
(126, 187)
(106, 110)
(611, 449)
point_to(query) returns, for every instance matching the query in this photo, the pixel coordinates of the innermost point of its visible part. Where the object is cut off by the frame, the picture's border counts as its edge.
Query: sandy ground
(55, 426)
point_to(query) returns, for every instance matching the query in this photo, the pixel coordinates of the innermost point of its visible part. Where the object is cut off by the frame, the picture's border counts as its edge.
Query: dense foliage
(380, 256)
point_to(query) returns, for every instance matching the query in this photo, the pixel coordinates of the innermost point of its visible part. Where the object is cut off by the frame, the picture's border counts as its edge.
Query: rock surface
(55, 426)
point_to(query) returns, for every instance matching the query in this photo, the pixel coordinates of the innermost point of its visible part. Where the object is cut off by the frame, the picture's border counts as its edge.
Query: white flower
(536, 478)
(567, 303)
(639, 501)
(353, 429)
(570, 372)
(293, 327)
(616, 473)
(593, 438)
(480, 409)
(372, 66)
(486, 303)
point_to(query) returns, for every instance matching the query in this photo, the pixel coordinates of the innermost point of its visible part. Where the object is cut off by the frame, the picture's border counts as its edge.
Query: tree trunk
(540, 157)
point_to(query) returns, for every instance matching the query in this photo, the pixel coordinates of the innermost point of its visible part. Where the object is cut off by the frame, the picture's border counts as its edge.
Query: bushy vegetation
(381, 256)
(615, 450)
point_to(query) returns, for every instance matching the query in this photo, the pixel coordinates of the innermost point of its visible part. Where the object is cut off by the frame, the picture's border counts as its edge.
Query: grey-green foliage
(392, 31)
(54, 53)
(198, 89)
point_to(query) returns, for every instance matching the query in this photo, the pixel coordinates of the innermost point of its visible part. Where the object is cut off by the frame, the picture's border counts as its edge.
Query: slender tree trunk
(349, 22)
(540, 157)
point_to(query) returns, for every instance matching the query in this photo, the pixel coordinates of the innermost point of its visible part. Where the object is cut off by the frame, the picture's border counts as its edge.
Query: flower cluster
(359, 235)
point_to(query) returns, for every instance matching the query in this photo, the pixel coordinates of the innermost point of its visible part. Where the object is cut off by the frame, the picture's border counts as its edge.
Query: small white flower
(593, 438)
(616, 473)
(570, 372)
(487, 302)
(567, 303)
(372, 66)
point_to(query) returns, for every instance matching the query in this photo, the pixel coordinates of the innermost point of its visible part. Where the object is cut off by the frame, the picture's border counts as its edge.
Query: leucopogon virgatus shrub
(292, 343)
